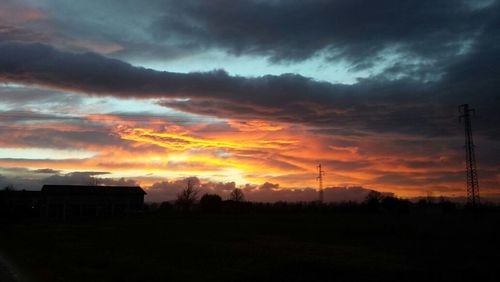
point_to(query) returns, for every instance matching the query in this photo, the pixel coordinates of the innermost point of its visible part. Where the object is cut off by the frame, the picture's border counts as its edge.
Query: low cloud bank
(267, 192)
(168, 190)
(25, 181)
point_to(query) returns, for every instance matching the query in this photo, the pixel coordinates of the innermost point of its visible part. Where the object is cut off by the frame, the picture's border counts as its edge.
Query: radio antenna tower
(470, 158)
(320, 180)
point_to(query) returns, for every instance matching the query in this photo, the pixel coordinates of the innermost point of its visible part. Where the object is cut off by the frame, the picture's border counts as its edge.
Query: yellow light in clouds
(181, 142)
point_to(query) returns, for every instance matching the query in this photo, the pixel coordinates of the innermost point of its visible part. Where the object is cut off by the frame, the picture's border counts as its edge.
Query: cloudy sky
(250, 92)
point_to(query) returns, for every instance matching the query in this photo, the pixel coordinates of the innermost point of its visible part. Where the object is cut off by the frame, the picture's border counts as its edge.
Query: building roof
(91, 190)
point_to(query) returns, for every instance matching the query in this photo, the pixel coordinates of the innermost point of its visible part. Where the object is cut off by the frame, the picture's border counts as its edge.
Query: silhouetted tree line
(21, 204)
(375, 202)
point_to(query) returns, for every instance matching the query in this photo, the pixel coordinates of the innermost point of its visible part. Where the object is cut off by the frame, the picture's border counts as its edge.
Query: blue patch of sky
(318, 67)
(76, 105)
(43, 154)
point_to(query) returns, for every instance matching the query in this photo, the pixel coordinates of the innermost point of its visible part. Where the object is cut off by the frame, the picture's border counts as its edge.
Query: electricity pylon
(470, 157)
(320, 180)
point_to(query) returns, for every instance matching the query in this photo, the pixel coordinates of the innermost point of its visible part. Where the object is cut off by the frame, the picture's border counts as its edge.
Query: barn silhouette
(65, 201)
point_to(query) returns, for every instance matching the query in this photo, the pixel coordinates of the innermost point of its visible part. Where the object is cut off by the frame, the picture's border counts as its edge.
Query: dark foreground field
(261, 247)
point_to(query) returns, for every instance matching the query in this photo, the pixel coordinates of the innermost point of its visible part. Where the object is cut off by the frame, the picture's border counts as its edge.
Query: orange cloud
(181, 142)
(151, 148)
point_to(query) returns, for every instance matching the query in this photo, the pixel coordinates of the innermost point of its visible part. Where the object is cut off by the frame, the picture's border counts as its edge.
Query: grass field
(261, 247)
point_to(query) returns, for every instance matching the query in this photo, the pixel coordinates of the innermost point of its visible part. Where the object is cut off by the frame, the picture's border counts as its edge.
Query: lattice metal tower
(470, 158)
(320, 180)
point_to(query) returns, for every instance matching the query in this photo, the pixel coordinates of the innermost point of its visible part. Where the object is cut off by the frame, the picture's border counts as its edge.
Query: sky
(251, 94)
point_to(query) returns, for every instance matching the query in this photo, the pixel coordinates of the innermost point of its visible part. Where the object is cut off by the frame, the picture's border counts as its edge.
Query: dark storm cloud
(296, 30)
(369, 105)
(449, 54)
(422, 34)
(358, 31)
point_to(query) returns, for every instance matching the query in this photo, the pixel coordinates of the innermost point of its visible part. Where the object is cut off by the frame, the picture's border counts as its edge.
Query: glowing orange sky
(191, 90)
(252, 151)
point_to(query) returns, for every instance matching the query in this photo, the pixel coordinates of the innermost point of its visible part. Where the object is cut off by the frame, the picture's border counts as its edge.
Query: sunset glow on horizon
(151, 149)
(255, 105)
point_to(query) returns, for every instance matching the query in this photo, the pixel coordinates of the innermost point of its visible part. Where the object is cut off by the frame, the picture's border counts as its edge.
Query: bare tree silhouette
(237, 195)
(187, 197)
